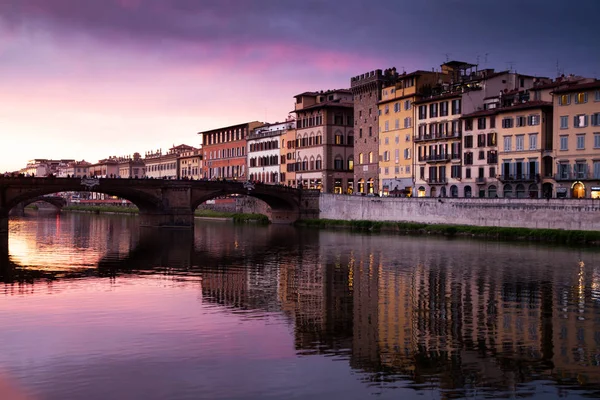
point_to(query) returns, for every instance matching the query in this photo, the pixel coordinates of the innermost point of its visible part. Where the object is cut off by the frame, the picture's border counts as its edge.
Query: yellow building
(190, 164)
(524, 134)
(396, 119)
(577, 140)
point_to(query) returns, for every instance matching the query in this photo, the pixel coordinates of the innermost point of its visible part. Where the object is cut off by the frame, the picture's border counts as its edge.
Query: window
(422, 112)
(407, 122)
(407, 137)
(580, 121)
(433, 110)
(468, 124)
(581, 98)
(468, 158)
(360, 133)
(507, 143)
(339, 139)
(481, 123)
(370, 157)
(444, 109)
(564, 100)
(456, 107)
(564, 122)
(407, 104)
(387, 126)
(338, 164)
(520, 142)
(370, 131)
(455, 171)
(564, 140)
(520, 121)
(397, 124)
(397, 139)
(580, 142)
(492, 122)
(397, 156)
(386, 171)
(533, 120)
(481, 140)
(481, 155)
(396, 107)
(407, 154)
(595, 119)
(387, 108)
(386, 156)
(468, 142)
(597, 96)
(468, 176)
(387, 141)
(507, 122)
(597, 140)
(533, 141)
(491, 139)
(360, 158)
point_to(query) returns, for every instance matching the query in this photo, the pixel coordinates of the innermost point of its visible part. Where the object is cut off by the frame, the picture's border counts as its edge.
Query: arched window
(468, 192)
(508, 191)
(319, 163)
(443, 191)
(520, 191)
(361, 186)
(338, 162)
(350, 163)
(305, 164)
(453, 191)
(492, 191)
(360, 160)
(312, 163)
(370, 157)
(370, 185)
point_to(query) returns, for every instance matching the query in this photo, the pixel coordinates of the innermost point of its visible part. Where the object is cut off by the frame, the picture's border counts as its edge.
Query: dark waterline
(94, 307)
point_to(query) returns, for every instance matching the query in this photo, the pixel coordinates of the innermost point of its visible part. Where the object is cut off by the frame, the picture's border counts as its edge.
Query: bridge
(162, 202)
(56, 201)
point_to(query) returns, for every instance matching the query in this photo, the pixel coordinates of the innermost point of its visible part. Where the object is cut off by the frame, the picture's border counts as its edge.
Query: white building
(263, 149)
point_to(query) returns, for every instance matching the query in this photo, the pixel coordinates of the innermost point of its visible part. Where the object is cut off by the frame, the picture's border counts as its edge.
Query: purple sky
(89, 78)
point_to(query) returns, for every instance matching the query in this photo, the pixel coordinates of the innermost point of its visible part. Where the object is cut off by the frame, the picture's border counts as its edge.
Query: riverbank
(207, 214)
(558, 236)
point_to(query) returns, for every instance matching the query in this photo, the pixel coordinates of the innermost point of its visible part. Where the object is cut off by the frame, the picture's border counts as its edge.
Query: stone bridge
(161, 202)
(56, 201)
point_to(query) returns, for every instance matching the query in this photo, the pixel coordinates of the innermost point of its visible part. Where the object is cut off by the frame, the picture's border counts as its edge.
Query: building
(165, 166)
(288, 156)
(396, 119)
(264, 146)
(225, 151)
(190, 164)
(525, 134)
(577, 139)
(76, 169)
(324, 141)
(105, 168)
(366, 91)
(131, 167)
(44, 167)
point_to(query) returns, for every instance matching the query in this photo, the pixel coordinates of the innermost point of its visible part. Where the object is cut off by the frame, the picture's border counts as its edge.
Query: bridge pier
(3, 226)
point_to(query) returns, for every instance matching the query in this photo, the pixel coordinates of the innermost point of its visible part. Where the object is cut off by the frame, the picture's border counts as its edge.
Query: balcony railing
(435, 158)
(574, 176)
(481, 180)
(519, 178)
(436, 181)
(437, 136)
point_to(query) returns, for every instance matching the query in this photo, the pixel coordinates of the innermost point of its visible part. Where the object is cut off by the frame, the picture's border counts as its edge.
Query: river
(95, 307)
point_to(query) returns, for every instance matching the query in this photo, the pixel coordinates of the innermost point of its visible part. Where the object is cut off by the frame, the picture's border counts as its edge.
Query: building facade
(225, 151)
(105, 168)
(325, 141)
(577, 140)
(132, 166)
(366, 91)
(396, 120)
(77, 169)
(288, 156)
(165, 166)
(264, 152)
(190, 164)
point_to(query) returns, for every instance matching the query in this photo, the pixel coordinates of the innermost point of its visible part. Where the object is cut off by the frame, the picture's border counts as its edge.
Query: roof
(229, 127)
(438, 97)
(455, 64)
(581, 86)
(324, 92)
(330, 103)
(525, 106)
(481, 113)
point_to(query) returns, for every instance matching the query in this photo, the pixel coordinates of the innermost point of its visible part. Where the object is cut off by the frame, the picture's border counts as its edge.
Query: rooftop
(595, 84)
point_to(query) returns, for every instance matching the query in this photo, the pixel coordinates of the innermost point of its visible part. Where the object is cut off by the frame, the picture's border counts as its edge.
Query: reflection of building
(577, 140)
(225, 151)
(226, 286)
(325, 140)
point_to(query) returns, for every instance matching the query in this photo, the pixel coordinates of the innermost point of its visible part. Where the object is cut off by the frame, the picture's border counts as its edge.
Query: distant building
(105, 168)
(43, 167)
(190, 164)
(76, 169)
(264, 146)
(132, 167)
(165, 166)
(325, 141)
(288, 156)
(225, 151)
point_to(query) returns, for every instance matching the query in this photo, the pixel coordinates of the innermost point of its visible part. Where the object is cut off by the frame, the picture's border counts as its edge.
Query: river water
(94, 307)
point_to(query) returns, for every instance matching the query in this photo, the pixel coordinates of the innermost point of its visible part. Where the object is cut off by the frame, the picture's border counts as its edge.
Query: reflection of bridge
(55, 201)
(162, 202)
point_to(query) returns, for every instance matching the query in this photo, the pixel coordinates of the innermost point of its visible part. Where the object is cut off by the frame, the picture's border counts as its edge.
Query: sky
(88, 79)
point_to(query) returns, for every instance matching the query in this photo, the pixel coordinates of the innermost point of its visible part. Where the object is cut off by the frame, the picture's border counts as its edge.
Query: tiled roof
(438, 97)
(330, 103)
(525, 106)
(582, 86)
(481, 113)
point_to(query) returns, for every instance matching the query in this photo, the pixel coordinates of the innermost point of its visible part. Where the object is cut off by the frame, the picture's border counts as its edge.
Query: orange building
(225, 151)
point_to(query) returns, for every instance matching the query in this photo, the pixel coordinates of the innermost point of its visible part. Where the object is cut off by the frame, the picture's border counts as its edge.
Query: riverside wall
(568, 214)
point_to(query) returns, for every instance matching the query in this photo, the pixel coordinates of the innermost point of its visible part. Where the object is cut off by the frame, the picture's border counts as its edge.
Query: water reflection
(456, 317)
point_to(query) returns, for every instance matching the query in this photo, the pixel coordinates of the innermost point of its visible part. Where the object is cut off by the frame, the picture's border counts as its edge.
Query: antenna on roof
(447, 56)
(510, 64)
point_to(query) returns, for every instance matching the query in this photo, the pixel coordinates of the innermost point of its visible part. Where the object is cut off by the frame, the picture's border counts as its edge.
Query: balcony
(480, 180)
(435, 158)
(574, 176)
(519, 178)
(437, 136)
(436, 181)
